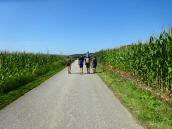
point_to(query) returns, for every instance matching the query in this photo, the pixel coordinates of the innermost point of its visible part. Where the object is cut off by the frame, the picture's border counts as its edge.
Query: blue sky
(77, 26)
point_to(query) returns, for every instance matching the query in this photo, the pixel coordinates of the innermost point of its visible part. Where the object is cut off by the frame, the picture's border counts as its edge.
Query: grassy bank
(150, 111)
(6, 98)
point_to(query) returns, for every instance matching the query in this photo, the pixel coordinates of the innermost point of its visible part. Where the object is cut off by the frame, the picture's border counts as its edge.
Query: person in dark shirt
(94, 64)
(81, 63)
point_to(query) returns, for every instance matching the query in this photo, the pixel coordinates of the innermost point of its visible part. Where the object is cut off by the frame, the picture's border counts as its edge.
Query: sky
(78, 26)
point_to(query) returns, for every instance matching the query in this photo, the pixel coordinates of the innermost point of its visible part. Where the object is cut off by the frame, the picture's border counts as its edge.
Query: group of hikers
(87, 60)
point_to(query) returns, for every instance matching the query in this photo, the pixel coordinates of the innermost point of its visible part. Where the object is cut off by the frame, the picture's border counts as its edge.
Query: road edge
(6, 99)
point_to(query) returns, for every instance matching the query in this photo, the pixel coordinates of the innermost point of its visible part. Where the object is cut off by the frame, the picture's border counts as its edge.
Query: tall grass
(17, 69)
(151, 60)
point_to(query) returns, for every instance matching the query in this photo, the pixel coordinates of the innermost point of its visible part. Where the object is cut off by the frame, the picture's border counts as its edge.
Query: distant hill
(77, 55)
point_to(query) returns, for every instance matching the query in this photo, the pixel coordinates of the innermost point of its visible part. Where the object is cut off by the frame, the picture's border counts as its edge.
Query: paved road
(68, 102)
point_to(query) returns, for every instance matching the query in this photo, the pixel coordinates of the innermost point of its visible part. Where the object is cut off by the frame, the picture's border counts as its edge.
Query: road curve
(68, 102)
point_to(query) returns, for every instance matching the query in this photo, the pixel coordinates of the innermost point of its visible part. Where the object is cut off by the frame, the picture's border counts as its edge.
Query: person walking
(69, 62)
(94, 64)
(80, 63)
(87, 63)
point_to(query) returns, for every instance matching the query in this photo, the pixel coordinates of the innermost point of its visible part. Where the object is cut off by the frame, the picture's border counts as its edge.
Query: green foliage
(17, 69)
(151, 61)
(9, 97)
(149, 110)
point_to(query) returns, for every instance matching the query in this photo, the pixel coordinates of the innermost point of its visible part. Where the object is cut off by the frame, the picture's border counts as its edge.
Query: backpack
(81, 62)
(69, 61)
(95, 61)
(87, 60)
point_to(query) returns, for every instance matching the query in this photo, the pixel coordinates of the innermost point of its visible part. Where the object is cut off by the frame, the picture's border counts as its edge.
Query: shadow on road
(86, 73)
(83, 73)
(100, 71)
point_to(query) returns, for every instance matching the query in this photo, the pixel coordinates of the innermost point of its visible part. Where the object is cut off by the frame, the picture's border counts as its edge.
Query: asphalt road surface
(68, 102)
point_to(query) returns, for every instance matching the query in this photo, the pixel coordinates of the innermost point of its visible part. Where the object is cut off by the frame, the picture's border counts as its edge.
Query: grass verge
(7, 98)
(152, 112)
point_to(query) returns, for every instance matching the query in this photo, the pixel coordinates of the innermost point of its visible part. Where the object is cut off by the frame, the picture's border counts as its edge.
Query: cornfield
(17, 69)
(151, 61)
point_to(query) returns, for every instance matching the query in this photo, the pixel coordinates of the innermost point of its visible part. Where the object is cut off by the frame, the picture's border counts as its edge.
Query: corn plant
(17, 69)
(151, 60)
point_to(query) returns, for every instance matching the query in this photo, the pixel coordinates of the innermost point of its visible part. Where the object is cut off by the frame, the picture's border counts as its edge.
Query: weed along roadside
(21, 72)
(150, 111)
